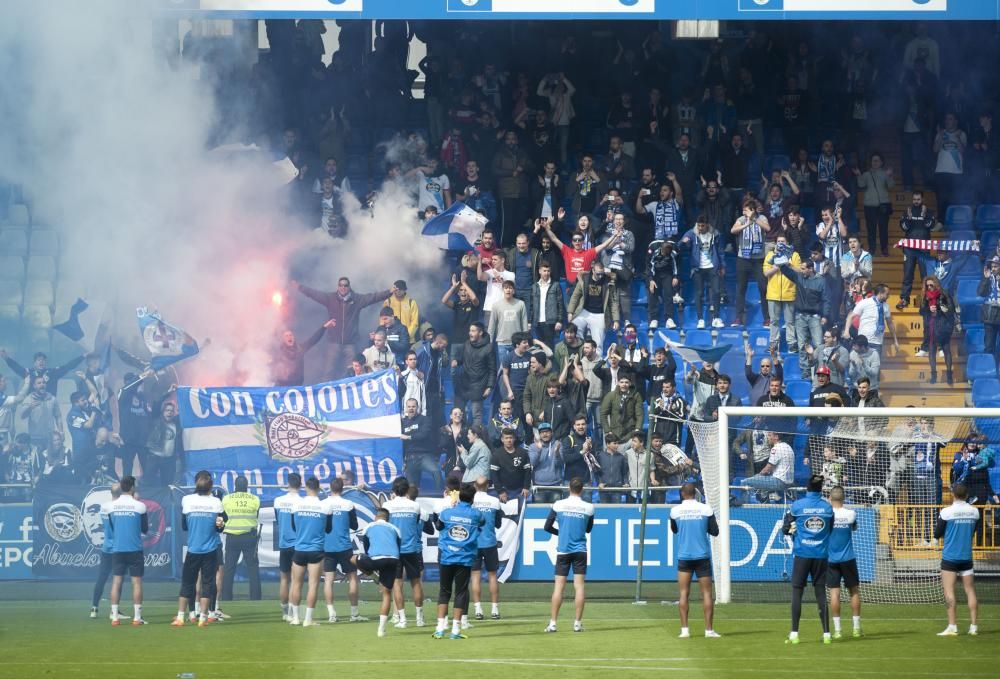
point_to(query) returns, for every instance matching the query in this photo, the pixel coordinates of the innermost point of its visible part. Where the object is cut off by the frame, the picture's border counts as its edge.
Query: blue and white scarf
(666, 219)
(751, 241)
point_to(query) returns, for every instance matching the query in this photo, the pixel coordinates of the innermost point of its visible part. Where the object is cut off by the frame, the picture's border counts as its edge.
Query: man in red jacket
(343, 306)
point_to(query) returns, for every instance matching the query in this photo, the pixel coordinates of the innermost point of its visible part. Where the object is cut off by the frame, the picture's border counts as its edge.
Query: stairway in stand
(905, 376)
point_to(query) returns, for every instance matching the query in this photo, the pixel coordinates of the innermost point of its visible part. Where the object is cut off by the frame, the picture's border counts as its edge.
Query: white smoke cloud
(111, 145)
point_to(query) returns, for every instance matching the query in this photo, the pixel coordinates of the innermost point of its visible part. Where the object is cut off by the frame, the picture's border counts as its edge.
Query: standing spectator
(411, 383)
(734, 164)
(813, 308)
(770, 366)
(862, 396)
(473, 190)
(587, 186)
(343, 306)
(684, 168)
(613, 471)
(798, 233)
(479, 371)
(578, 452)
(949, 145)
(707, 269)
(476, 458)
(546, 309)
(39, 368)
(715, 202)
(623, 120)
(669, 413)
(8, 404)
(750, 228)
(855, 263)
(989, 288)
(165, 445)
(874, 316)
(925, 485)
(594, 303)
(577, 259)
(775, 204)
(618, 166)
(21, 466)
(559, 91)
(515, 366)
(864, 362)
(876, 184)
(617, 260)
(539, 373)
(524, 263)
(404, 308)
(511, 167)
(420, 454)
(938, 312)
(664, 283)
(917, 222)
(508, 319)
(41, 410)
(832, 356)
(83, 421)
(722, 397)
(545, 456)
(572, 345)
(831, 232)
(288, 363)
(510, 469)
(464, 304)
(781, 293)
(454, 437)
(494, 276)
(922, 47)
(984, 159)
(431, 363)
(827, 166)
(621, 409)
(433, 186)
(379, 356)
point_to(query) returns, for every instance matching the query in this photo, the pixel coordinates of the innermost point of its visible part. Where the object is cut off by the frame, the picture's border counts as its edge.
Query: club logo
(458, 533)
(63, 522)
(291, 436)
(815, 524)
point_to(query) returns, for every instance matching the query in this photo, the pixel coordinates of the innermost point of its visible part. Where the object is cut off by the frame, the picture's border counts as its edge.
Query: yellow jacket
(779, 287)
(408, 312)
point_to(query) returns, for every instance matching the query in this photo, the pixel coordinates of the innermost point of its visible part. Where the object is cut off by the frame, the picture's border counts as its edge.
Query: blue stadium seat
(979, 366)
(987, 213)
(791, 363)
(11, 292)
(760, 340)
(17, 215)
(698, 338)
(11, 268)
(733, 336)
(958, 216)
(966, 292)
(962, 234)
(777, 162)
(39, 293)
(732, 364)
(41, 267)
(797, 390)
(689, 321)
(988, 227)
(753, 293)
(973, 339)
(44, 242)
(640, 293)
(985, 389)
(660, 334)
(10, 320)
(639, 314)
(14, 242)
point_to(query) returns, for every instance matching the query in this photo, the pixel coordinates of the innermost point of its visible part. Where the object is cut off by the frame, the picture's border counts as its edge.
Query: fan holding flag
(456, 228)
(166, 343)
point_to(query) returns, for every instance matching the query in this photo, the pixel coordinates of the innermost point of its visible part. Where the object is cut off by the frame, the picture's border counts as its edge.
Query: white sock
(294, 612)
(354, 611)
(197, 608)
(138, 611)
(331, 611)
(793, 635)
(973, 628)
(495, 610)
(856, 619)
(465, 620)
(826, 635)
(442, 624)
(420, 612)
(552, 623)
(381, 622)
(284, 609)
(479, 608)
(309, 614)
(836, 624)
(114, 611)
(454, 626)
(685, 630)
(578, 623)
(402, 615)
(953, 627)
(180, 615)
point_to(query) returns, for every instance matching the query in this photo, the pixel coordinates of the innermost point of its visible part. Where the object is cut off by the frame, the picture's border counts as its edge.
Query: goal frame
(723, 569)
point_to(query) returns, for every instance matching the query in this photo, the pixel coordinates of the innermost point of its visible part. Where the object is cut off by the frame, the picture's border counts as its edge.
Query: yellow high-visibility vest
(241, 510)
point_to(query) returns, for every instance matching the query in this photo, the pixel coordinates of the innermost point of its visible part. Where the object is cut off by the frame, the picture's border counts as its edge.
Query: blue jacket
(694, 249)
(812, 517)
(458, 542)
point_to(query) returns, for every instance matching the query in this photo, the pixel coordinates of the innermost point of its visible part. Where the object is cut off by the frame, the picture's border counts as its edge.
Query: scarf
(994, 297)
(666, 218)
(947, 245)
(751, 241)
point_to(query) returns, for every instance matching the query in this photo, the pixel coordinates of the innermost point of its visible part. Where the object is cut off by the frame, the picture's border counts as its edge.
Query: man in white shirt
(874, 316)
(779, 472)
(494, 277)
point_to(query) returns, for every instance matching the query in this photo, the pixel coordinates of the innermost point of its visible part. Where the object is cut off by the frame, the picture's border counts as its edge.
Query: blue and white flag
(264, 433)
(166, 343)
(457, 228)
(695, 354)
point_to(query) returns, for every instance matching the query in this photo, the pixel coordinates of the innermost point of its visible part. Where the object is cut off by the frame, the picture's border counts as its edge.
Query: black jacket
(479, 368)
(421, 433)
(555, 308)
(510, 473)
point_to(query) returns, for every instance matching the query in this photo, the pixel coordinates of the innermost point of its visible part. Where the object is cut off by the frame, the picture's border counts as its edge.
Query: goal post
(889, 460)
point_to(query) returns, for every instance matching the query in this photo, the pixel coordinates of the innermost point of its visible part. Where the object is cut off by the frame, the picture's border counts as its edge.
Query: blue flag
(457, 228)
(694, 354)
(322, 430)
(71, 327)
(166, 344)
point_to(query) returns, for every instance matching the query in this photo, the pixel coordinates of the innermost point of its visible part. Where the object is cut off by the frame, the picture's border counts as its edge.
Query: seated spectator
(779, 472)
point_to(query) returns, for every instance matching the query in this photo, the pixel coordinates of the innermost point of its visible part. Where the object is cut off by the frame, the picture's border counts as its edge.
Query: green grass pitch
(45, 632)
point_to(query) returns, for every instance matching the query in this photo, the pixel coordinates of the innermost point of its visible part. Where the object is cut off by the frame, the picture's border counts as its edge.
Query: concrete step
(933, 396)
(893, 374)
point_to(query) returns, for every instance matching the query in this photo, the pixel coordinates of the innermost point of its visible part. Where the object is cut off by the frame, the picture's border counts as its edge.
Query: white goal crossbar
(721, 499)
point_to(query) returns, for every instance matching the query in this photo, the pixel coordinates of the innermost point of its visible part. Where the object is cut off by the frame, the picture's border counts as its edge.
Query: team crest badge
(291, 436)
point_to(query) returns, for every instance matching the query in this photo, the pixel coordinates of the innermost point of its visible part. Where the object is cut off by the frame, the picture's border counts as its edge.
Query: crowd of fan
(611, 166)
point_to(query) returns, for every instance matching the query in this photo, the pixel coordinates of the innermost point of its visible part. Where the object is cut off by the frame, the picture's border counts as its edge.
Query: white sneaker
(193, 617)
(549, 628)
(921, 353)
(332, 619)
(717, 323)
(654, 324)
(381, 633)
(578, 628)
(467, 625)
(712, 634)
(357, 618)
(701, 324)
(685, 634)
(293, 621)
(671, 325)
(948, 632)
(219, 615)
(399, 625)
(678, 299)
(121, 616)
(284, 618)
(93, 612)
(420, 623)
(940, 353)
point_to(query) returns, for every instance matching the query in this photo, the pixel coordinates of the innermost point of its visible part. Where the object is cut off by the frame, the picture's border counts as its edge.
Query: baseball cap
(544, 426)
(995, 259)
(823, 370)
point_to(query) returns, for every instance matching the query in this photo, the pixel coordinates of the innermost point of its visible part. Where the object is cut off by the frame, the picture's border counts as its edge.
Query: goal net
(896, 466)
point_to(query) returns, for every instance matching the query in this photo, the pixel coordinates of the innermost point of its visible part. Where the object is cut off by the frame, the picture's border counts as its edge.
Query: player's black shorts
(385, 567)
(487, 559)
(804, 569)
(960, 567)
(343, 559)
(700, 567)
(130, 562)
(412, 564)
(206, 565)
(306, 558)
(454, 578)
(220, 557)
(844, 570)
(285, 559)
(576, 560)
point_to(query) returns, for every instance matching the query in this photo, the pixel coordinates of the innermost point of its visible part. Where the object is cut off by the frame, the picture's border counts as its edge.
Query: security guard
(241, 538)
